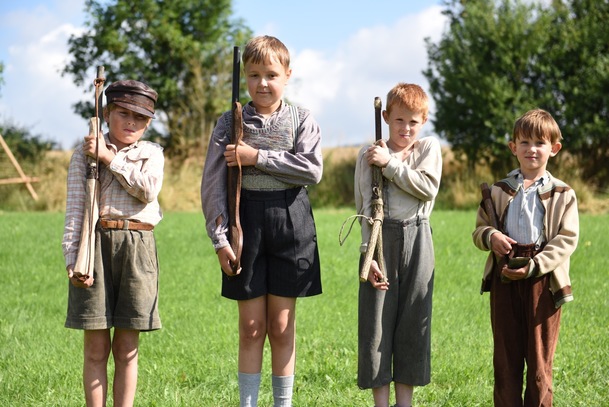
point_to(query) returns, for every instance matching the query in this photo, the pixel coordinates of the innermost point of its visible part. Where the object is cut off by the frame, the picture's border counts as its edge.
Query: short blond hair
(537, 123)
(263, 49)
(410, 96)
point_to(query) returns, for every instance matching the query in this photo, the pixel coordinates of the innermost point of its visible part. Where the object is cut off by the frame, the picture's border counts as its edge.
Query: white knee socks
(249, 384)
(282, 390)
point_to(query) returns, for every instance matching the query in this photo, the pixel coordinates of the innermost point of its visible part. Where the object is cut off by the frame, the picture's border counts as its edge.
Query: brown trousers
(525, 326)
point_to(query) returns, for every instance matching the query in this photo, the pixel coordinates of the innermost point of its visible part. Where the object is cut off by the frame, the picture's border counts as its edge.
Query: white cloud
(34, 94)
(339, 88)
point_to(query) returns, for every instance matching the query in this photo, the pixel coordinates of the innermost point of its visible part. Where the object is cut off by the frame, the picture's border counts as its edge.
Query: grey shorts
(394, 326)
(125, 291)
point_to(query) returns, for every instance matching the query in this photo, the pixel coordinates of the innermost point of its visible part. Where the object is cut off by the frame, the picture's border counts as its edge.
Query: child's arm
(561, 246)
(422, 180)
(305, 165)
(214, 185)
(140, 170)
(75, 204)
(363, 196)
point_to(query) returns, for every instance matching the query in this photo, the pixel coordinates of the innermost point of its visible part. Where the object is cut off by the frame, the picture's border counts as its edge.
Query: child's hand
(378, 154)
(76, 281)
(247, 154)
(501, 244)
(376, 277)
(226, 256)
(103, 153)
(515, 274)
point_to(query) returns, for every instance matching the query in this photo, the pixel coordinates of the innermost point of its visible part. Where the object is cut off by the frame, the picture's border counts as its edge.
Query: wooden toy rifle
(234, 173)
(375, 243)
(85, 260)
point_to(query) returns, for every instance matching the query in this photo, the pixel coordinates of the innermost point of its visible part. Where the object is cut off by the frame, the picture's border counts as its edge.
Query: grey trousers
(394, 332)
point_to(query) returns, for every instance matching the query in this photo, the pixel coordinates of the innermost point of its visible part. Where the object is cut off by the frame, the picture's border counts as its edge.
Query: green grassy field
(192, 360)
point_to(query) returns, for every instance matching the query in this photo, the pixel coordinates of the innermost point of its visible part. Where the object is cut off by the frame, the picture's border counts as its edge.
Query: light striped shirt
(524, 219)
(129, 189)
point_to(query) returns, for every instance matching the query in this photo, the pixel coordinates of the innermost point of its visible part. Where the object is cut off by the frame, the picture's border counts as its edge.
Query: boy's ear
(512, 147)
(556, 148)
(385, 116)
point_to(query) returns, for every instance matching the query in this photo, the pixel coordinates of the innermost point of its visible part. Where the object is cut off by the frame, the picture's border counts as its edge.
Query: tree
(498, 59)
(479, 75)
(580, 81)
(182, 48)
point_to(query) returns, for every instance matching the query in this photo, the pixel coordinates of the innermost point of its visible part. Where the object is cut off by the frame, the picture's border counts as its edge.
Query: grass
(192, 360)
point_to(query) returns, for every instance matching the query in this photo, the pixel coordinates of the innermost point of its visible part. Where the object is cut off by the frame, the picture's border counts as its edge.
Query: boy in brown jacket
(539, 226)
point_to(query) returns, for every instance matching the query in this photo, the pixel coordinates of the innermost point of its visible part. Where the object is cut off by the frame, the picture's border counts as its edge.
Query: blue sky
(344, 53)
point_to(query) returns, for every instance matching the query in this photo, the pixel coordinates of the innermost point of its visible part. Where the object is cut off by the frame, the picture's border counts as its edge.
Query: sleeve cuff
(488, 238)
(532, 268)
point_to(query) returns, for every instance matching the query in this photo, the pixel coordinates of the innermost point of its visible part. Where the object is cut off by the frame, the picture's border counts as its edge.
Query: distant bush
(459, 188)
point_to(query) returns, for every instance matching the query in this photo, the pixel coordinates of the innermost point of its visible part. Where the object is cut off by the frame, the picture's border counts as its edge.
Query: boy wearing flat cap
(124, 294)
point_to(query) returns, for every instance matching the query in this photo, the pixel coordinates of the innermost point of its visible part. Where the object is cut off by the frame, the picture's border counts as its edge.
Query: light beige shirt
(129, 189)
(411, 185)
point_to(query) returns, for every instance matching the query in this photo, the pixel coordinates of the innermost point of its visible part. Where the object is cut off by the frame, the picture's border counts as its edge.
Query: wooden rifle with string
(374, 251)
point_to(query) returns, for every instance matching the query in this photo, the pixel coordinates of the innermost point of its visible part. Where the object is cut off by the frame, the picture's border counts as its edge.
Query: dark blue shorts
(280, 254)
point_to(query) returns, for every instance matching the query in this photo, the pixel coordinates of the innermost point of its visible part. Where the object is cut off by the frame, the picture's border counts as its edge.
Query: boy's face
(126, 126)
(533, 154)
(404, 127)
(265, 84)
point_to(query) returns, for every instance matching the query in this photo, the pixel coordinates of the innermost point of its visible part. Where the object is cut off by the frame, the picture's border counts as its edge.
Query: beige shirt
(411, 185)
(129, 189)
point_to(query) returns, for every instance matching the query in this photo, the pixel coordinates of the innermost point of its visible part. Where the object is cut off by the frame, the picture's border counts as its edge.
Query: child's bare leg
(403, 395)
(95, 376)
(282, 333)
(125, 351)
(381, 396)
(252, 334)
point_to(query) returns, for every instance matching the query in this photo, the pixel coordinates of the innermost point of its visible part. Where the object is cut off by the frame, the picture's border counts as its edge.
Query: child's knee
(97, 352)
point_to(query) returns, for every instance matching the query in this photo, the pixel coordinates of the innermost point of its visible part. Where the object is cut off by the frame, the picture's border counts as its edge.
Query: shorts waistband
(405, 222)
(269, 195)
(124, 224)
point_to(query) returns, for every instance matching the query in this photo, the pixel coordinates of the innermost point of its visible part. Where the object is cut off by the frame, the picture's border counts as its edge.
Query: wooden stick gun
(85, 261)
(234, 173)
(375, 244)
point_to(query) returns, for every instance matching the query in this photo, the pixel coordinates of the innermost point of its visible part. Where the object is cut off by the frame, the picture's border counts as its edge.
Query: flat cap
(132, 95)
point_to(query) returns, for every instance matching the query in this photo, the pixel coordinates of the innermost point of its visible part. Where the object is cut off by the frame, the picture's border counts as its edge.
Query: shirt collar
(517, 175)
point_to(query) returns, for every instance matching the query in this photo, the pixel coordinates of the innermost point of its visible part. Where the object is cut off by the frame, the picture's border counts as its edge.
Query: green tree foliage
(579, 58)
(498, 59)
(25, 146)
(182, 48)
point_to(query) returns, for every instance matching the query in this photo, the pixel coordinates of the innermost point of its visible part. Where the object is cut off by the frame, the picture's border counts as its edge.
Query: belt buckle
(125, 224)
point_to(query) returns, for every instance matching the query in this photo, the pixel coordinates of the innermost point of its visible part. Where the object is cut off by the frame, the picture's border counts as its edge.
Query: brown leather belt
(124, 224)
